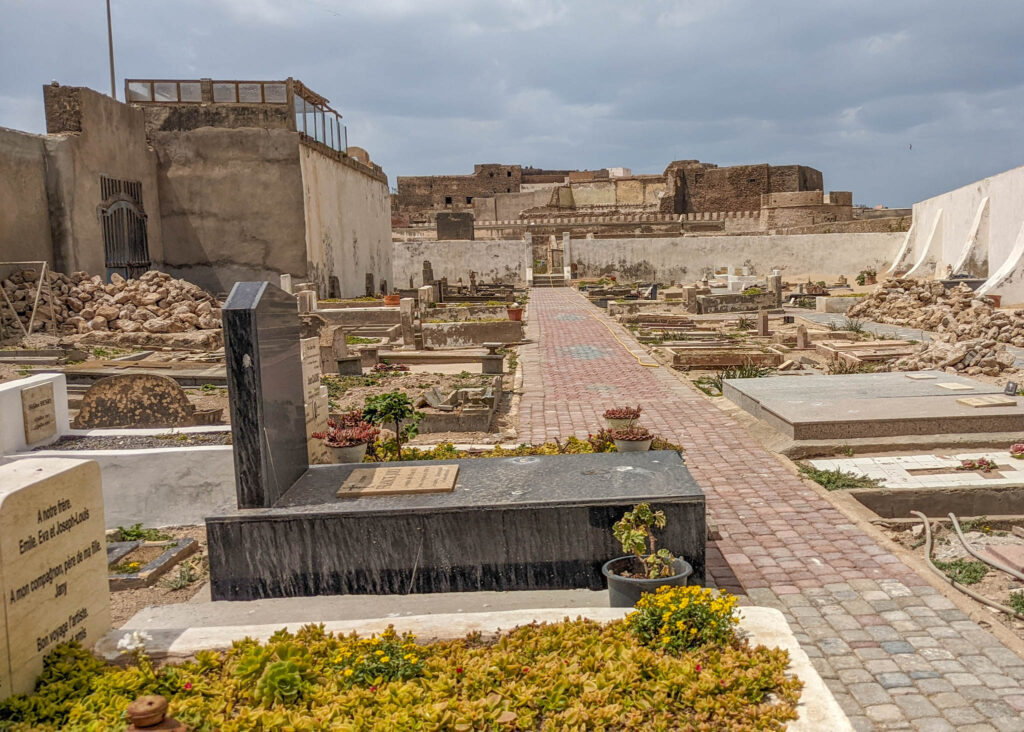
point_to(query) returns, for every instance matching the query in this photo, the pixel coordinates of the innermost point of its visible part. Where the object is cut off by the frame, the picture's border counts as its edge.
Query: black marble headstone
(264, 373)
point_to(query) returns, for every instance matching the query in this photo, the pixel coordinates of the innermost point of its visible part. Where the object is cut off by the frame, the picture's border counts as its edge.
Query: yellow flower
(348, 672)
(379, 653)
(385, 659)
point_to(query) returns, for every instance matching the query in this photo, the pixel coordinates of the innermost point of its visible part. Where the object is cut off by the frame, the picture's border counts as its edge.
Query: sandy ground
(125, 603)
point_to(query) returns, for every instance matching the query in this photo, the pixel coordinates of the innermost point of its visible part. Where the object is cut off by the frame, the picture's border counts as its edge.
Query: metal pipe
(971, 593)
(990, 562)
(110, 49)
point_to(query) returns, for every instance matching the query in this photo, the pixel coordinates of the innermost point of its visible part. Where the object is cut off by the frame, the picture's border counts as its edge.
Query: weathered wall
(232, 205)
(93, 134)
(492, 260)
(686, 258)
(430, 192)
(24, 210)
(348, 224)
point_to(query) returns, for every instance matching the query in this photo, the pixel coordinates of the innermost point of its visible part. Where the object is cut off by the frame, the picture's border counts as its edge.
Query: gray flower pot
(351, 454)
(625, 591)
(633, 445)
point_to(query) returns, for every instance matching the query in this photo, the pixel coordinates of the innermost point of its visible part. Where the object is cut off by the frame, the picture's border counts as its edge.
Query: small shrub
(753, 291)
(838, 366)
(744, 323)
(386, 366)
(394, 408)
(354, 340)
(679, 619)
(1017, 450)
(635, 532)
(340, 435)
(186, 575)
(964, 571)
(837, 480)
(854, 325)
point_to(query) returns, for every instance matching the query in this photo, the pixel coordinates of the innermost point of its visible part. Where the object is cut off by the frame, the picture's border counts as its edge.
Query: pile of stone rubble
(970, 357)
(957, 313)
(154, 303)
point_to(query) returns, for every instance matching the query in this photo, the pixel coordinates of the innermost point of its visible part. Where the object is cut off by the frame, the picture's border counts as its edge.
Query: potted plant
(867, 277)
(644, 567)
(515, 311)
(347, 437)
(1017, 450)
(633, 438)
(394, 407)
(621, 417)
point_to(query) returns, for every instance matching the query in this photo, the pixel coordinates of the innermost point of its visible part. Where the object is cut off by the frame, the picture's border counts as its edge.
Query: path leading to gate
(894, 651)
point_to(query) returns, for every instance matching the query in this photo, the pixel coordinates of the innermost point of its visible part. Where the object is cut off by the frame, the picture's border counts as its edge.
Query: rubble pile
(957, 313)
(971, 357)
(153, 303)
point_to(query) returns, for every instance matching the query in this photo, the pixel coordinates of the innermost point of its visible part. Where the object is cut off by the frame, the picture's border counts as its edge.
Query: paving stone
(916, 706)
(948, 699)
(897, 647)
(869, 693)
(933, 724)
(893, 680)
(884, 713)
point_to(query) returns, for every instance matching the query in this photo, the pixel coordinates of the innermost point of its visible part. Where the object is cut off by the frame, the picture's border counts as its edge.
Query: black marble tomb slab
(264, 374)
(529, 523)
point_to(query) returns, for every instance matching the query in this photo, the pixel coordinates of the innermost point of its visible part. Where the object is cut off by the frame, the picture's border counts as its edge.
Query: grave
(139, 400)
(506, 524)
(54, 579)
(872, 405)
(33, 412)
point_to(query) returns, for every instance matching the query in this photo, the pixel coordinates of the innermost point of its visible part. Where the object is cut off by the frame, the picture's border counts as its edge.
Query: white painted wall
(505, 260)
(685, 258)
(959, 220)
(12, 425)
(171, 486)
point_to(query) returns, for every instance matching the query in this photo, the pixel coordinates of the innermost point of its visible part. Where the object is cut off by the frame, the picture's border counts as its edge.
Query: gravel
(138, 442)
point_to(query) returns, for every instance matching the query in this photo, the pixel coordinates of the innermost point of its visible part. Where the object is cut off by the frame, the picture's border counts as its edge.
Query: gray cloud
(434, 86)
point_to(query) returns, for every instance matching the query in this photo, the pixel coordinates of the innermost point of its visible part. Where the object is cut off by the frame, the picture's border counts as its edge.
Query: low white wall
(12, 424)
(504, 260)
(171, 486)
(687, 258)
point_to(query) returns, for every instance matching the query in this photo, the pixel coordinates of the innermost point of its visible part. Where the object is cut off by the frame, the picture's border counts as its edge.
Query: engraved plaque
(39, 412)
(399, 481)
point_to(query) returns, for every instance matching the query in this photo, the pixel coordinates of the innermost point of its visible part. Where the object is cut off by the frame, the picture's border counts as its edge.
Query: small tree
(633, 531)
(394, 407)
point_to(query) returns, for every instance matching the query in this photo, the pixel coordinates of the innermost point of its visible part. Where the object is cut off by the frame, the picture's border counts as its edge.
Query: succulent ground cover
(675, 663)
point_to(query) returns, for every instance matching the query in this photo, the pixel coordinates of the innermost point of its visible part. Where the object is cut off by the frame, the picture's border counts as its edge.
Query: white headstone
(53, 564)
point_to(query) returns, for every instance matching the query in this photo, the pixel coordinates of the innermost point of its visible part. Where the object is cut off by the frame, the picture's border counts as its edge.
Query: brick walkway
(894, 651)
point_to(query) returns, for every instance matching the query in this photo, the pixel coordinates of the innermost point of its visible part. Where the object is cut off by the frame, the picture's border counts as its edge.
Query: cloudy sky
(896, 100)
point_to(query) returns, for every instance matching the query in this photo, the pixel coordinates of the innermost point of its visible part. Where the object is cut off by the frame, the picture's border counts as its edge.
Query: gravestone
(54, 560)
(307, 301)
(286, 282)
(39, 413)
(802, 339)
(428, 272)
(408, 307)
(264, 370)
(315, 399)
(762, 322)
(135, 400)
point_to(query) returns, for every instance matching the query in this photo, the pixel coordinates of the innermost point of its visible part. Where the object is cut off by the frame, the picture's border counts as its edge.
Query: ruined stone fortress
(689, 196)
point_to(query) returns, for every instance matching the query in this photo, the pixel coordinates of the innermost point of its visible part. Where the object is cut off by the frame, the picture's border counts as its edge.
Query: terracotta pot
(392, 301)
(625, 591)
(515, 313)
(633, 445)
(351, 454)
(996, 299)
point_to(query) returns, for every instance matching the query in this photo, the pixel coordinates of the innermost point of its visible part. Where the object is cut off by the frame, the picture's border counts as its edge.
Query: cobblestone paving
(895, 652)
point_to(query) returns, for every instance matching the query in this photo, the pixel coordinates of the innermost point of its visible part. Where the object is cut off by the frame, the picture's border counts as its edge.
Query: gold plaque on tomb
(399, 481)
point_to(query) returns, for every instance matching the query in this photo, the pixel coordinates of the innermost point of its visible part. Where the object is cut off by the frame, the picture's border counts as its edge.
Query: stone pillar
(690, 298)
(408, 308)
(315, 398)
(762, 322)
(425, 296)
(775, 286)
(307, 301)
(428, 272)
(802, 339)
(286, 282)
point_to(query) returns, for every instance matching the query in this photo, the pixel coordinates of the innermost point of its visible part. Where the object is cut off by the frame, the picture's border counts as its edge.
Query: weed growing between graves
(135, 532)
(837, 480)
(838, 366)
(964, 571)
(712, 385)
(569, 675)
(385, 450)
(1016, 602)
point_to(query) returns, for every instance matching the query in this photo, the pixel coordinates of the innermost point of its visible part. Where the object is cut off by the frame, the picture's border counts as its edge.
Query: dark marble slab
(264, 375)
(509, 524)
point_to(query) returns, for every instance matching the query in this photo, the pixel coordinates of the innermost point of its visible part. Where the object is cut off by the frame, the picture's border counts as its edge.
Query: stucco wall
(232, 205)
(959, 207)
(24, 212)
(686, 258)
(112, 142)
(491, 260)
(348, 225)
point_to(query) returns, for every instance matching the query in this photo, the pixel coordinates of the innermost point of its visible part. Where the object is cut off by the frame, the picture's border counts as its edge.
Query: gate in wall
(125, 243)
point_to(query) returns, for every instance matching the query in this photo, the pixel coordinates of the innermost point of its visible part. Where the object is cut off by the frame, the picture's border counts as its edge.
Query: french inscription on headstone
(399, 481)
(39, 412)
(52, 550)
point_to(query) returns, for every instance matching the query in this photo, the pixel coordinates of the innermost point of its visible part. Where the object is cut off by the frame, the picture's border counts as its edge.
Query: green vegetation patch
(569, 675)
(837, 480)
(964, 571)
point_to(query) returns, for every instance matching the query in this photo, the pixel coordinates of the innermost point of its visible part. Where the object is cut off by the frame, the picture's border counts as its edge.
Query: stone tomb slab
(53, 564)
(524, 523)
(869, 405)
